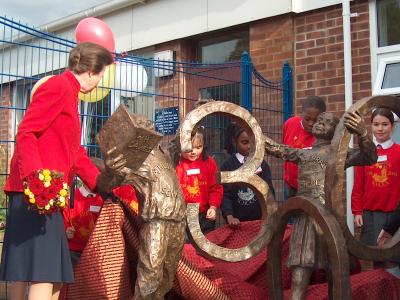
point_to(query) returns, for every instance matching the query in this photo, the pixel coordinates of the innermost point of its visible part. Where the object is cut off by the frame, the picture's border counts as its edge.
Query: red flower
(34, 175)
(36, 186)
(50, 193)
(41, 200)
(57, 184)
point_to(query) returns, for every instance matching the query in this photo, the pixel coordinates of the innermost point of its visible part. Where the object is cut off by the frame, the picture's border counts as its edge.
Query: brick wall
(318, 56)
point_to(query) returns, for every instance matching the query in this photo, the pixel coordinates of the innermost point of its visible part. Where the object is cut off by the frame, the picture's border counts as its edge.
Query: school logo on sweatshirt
(380, 175)
(246, 197)
(193, 190)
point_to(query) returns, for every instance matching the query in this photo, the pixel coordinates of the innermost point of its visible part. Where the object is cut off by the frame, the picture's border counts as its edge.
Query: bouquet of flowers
(45, 191)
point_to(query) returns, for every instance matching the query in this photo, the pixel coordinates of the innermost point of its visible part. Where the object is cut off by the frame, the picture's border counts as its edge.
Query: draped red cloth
(108, 264)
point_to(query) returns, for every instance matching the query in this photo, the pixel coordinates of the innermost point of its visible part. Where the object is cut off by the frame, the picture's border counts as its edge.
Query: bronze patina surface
(148, 168)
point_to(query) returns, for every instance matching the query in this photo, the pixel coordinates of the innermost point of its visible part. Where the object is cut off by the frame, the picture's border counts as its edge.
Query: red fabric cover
(49, 135)
(376, 187)
(202, 187)
(295, 136)
(107, 266)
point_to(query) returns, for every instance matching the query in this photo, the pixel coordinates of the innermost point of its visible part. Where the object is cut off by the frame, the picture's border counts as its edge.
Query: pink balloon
(95, 31)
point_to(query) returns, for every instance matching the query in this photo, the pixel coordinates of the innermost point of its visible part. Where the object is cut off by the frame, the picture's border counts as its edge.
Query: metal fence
(163, 90)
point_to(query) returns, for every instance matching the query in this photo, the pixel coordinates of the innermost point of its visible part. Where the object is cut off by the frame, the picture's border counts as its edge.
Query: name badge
(193, 172)
(307, 148)
(382, 158)
(94, 208)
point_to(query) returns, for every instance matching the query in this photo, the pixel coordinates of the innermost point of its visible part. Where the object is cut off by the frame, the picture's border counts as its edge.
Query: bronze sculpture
(161, 203)
(330, 217)
(307, 249)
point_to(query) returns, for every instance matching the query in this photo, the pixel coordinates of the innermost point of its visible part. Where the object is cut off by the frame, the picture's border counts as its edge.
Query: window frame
(380, 56)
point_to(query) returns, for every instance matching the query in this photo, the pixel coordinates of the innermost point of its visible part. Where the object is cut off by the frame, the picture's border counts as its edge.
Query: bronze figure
(148, 168)
(307, 249)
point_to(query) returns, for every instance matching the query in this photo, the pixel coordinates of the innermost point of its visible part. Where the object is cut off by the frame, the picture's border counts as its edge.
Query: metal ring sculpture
(245, 174)
(330, 218)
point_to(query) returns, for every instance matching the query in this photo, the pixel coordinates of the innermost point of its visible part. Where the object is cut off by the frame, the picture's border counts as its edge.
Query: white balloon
(130, 79)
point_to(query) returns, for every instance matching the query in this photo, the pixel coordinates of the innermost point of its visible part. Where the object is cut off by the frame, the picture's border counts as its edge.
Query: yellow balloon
(103, 88)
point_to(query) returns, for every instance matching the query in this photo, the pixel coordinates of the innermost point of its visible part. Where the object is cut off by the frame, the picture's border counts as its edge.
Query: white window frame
(380, 56)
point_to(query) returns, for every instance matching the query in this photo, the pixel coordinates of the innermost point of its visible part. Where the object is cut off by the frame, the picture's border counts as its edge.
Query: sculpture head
(325, 126)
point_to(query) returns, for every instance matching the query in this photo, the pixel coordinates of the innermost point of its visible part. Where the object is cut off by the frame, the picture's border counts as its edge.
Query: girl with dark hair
(376, 192)
(35, 247)
(239, 202)
(196, 172)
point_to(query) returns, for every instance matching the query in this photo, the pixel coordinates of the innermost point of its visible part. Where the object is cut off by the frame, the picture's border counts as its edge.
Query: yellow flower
(41, 176)
(46, 172)
(27, 191)
(51, 202)
(31, 195)
(65, 186)
(32, 200)
(62, 204)
(47, 184)
(63, 193)
(47, 207)
(47, 178)
(62, 199)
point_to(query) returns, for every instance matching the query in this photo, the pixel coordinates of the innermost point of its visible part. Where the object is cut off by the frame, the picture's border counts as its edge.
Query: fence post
(247, 72)
(287, 82)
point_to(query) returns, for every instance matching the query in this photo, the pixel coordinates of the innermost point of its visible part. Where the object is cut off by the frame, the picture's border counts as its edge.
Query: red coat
(49, 135)
(198, 182)
(295, 136)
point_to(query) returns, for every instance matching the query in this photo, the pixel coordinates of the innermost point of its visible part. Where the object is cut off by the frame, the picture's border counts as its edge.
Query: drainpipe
(348, 99)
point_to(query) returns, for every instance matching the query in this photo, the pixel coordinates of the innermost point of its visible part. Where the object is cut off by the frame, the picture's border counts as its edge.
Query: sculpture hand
(114, 164)
(355, 123)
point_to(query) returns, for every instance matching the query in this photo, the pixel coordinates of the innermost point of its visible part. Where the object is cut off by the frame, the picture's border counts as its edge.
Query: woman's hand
(70, 232)
(232, 221)
(358, 220)
(211, 213)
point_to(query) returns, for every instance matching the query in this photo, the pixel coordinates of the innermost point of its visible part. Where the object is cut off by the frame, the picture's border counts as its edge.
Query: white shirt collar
(240, 157)
(385, 145)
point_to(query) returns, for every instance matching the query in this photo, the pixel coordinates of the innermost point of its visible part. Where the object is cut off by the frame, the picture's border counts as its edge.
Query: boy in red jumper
(196, 173)
(297, 134)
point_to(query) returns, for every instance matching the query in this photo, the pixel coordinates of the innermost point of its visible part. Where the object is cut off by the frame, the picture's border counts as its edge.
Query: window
(223, 49)
(388, 76)
(388, 16)
(385, 46)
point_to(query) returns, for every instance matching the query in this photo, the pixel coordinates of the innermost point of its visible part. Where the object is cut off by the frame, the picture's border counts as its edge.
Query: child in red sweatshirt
(376, 192)
(196, 172)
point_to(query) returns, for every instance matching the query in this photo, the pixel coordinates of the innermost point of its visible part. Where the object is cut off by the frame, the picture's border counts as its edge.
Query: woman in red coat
(35, 248)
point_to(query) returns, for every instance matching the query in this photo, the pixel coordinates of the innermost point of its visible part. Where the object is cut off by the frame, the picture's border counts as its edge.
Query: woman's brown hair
(89, 57)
